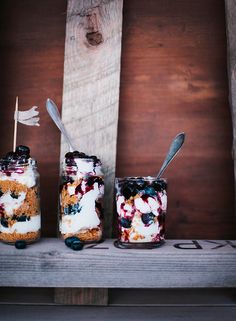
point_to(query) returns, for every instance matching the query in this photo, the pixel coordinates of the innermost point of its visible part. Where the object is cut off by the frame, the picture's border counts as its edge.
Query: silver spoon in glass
(174, 148)
(54, 113)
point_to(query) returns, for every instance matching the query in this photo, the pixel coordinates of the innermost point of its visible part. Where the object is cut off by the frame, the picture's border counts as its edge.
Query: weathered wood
(178, 263)
(230, 11)
(91, 84)
(82, 296)
(52, 313)
(90, 99)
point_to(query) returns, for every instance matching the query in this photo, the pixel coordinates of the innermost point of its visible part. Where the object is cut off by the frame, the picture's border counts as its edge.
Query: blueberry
(72, 209)
(141, 184)
(22, 150)
(69, 155)
(159, 185)
(126, 223)
(147, 218)
(14, 195)
(150, 191)
(22, 218)
(1, 193)
(20, 245)
(10, 156)
(77, 154)
(77, 245)
(4, 222)
(70, 240)
(129, 190)
(94, 179)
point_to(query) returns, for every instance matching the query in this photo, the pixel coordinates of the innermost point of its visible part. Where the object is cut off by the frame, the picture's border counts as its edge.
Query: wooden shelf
(177, 264)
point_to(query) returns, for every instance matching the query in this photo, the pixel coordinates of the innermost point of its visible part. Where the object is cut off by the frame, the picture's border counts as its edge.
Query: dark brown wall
(32, 38)
(174, 78)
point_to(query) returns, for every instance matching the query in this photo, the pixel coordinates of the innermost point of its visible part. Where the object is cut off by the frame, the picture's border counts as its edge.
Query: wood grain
(231, 37)
(50, 263)
(32, 37)
(91, 84)
(84, 296)
(90, 101)
(174, 78)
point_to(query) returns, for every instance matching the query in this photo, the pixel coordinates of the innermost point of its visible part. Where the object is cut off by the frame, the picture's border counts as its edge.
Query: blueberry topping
(148, 218)
(10, 156)
(77, 154)
(94, 179)
(77, 245)
(129, 190)
(70, 240)
(72, 209)
(4, 222)
(22, 150)
(14, 195)
(22, 218)
(126, 223)
(159, 185)
(141, 184)
(150, 191)
(20, 245)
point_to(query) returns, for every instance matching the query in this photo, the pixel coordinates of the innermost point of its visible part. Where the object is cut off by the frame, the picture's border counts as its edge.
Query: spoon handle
(174, 148)
(54, 113)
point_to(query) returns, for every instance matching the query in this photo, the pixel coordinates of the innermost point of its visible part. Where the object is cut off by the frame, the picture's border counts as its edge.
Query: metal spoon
(174, 148)
(54, 113)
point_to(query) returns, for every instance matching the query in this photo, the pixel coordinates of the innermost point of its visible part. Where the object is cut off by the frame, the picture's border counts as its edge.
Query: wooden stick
(15, 125)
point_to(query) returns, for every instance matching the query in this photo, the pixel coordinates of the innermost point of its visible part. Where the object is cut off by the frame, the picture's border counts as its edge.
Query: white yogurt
(33, 225)
(10, 204)
(87, 218)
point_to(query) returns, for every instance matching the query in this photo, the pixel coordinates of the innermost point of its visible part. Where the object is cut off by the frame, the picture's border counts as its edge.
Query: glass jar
(141, 204)
(81, 198)
(19, 201)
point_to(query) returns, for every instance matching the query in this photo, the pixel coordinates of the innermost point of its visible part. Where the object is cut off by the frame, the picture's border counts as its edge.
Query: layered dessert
(81, 197)
(20, 217)
(141, 207)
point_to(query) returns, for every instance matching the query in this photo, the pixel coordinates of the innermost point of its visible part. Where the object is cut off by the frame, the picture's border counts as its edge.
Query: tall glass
(81, 198)
(20, 215)
(141, 204)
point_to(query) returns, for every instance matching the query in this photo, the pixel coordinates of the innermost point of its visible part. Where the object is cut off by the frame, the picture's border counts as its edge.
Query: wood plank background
(32, 35)
(173, 78)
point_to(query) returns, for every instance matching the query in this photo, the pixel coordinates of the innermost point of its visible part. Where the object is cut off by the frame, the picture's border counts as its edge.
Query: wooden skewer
(15, 125)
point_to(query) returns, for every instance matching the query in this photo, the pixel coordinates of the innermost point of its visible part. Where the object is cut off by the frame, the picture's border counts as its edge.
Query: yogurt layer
(10, 203)
(33, 225)
(86, 218)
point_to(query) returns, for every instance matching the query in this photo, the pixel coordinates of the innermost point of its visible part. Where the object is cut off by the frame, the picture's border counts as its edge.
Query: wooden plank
(84, 296)
(90, 100)
(178, 263)
(61, 313)
(230, 11)
(173, 78)
(91, 84)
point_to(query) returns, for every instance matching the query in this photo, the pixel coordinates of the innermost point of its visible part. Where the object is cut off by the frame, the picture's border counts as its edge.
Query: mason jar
(141, 204)
(81, 198)
(20, 215)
